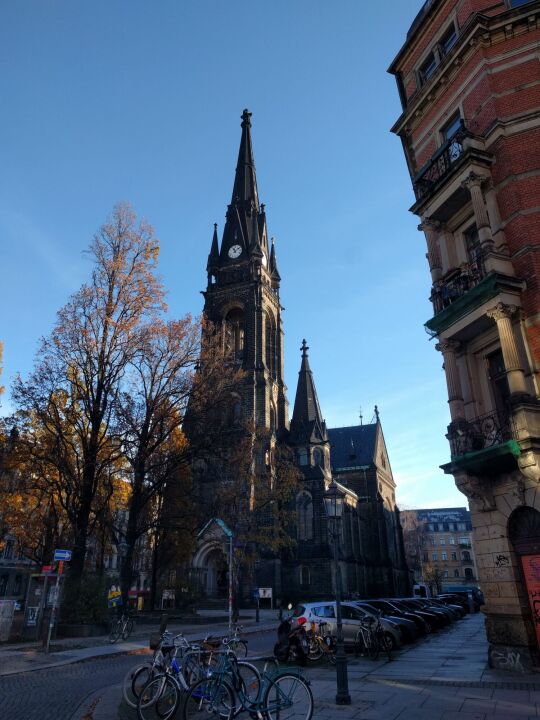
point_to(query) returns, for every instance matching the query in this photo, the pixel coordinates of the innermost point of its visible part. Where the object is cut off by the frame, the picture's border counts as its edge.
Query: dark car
(387, 607)
(444, 613)
(436, 620)
(454, 599)
(407, 627)
(456, 608)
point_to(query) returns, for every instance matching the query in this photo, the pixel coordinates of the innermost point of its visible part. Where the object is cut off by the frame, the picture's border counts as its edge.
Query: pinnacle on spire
(213, 257)
(307, 424)
(273, 263)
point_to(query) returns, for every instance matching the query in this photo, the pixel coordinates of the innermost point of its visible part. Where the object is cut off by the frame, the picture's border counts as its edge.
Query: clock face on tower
(235, 251)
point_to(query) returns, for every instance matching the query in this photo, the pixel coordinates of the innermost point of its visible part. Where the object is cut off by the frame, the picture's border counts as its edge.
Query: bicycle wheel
(208, 698)
(134, 681)
(315, 651)
(288, 697)
(127, 629)
(250, 679)
(115, 631)
(159, 699)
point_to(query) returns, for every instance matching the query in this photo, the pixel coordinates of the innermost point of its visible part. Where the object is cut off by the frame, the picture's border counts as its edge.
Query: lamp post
(333, 505)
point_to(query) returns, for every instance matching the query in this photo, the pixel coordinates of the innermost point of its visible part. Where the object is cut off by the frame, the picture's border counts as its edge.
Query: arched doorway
(524, 534)
(210, 565)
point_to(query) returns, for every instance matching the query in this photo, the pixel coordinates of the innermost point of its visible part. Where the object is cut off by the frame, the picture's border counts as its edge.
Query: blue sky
(141, 101)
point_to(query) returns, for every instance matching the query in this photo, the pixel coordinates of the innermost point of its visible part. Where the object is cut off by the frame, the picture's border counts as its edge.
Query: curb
(100, 704)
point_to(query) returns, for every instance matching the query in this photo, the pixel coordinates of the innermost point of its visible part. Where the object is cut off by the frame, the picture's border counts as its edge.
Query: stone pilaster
(502, 314)
(431, 230)
(473, 183)
(499, 237)
(455, 393)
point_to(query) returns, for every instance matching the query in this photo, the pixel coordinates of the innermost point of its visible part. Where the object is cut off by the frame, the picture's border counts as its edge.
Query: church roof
(352, 447)
(307, 424)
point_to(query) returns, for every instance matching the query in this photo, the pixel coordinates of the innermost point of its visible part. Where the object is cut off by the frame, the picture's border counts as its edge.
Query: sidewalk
(25, 657)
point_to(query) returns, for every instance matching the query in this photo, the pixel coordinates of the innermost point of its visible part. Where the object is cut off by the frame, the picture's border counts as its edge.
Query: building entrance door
(524, 533)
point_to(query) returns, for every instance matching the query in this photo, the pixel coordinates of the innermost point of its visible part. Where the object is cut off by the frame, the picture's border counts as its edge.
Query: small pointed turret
(307, 424)
(273, 263)
(213, 257)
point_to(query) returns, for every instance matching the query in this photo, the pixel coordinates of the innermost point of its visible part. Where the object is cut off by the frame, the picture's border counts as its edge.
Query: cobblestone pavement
(55, 694)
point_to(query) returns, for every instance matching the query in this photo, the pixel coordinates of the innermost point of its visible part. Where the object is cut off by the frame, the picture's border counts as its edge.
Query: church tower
(242, 297)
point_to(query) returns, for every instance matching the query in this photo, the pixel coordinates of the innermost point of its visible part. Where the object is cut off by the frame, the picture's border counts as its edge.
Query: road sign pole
(55, 604)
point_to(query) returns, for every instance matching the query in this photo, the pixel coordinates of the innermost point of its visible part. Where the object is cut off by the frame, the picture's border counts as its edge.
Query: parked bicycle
(235, 642)
(321, 643)
(283, 694)
(121, 627)
(371, 639)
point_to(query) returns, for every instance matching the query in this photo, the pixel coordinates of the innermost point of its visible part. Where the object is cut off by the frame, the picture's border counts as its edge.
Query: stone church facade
(242, 301)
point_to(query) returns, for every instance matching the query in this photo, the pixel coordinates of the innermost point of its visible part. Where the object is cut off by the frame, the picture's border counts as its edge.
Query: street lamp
(333, 505)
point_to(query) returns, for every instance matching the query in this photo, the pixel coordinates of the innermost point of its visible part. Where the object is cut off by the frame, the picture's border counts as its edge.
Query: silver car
(352, 615)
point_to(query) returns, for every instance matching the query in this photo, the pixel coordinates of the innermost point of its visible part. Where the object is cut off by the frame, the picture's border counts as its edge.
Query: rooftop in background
(458, 514)
(352, 447)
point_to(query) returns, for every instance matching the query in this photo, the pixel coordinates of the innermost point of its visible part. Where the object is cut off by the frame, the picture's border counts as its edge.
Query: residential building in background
(468, 77)
(439, 547)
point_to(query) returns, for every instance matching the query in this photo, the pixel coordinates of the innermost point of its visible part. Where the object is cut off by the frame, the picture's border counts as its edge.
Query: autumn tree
(71, 396)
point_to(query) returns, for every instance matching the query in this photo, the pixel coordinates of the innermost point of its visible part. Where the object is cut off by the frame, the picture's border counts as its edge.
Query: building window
(8, 550)
(426, 557)
(440, 527)
(427, 68)
(469, 574)
(442, 541)
(446, 573)
(454, 556)
(451, 528)
(431, 527)
(499, 382)
(448, 40)
(304, 510)
(444, 556)
(3, 585)
(456, 573)
(17, 585)
(305, 576)
(464, 540)
(434, 556)
(302, 456)
(452, 540)
(432, 540)
(466, 556)
(234, 334)
(318, 457)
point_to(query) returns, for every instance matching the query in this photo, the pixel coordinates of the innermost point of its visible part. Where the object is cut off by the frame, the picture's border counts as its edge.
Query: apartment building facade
(468, 77)
(439, 547)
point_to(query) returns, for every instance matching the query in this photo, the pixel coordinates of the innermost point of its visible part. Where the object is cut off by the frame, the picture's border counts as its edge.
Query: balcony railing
(455, 284)
(483, 432)
(440, 164)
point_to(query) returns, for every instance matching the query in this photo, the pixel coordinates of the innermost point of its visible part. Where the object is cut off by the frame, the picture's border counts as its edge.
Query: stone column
(499, 237)
(473, 183)
(502, 315)
(431, 231)
(455, 394)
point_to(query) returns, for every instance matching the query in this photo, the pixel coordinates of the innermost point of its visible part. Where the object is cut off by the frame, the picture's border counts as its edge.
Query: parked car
(408, 629)
(435, 620)
(446, 616)
(317, 612)
(389, 608)
(456, 609)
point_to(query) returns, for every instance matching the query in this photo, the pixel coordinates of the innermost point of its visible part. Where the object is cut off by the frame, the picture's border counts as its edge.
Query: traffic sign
(62, 555)
(46, 568)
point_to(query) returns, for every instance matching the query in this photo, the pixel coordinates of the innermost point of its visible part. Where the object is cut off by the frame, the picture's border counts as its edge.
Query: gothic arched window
(234, 334)
(270, 333)
(304, 511)
(318, 457)
(302, 456)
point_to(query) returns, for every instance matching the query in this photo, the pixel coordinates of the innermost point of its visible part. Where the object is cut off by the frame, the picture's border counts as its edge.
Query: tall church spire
(245, 182)
(307, 424)
(213, 257)
(245, 217)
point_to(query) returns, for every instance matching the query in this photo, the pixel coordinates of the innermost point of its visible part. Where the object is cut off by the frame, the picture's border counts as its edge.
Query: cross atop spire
(304, 349)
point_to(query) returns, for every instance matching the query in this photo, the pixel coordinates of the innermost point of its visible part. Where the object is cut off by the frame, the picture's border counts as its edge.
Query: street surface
(56, 693)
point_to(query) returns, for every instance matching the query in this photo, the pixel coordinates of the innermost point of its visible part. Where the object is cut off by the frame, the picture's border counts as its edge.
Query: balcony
(484, 445)
(455, 284)
(440, 165)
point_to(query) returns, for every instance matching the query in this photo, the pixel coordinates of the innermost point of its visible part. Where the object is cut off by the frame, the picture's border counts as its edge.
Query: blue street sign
(62, 555)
